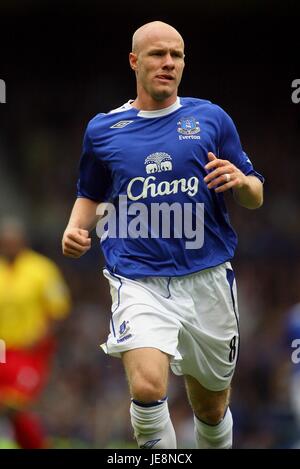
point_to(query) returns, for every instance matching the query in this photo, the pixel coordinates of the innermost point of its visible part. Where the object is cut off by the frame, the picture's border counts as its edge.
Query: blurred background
(63, 62)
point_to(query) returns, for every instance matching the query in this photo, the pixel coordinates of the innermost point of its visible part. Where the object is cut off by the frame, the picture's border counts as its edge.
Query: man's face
(11, 244)
(159, 65)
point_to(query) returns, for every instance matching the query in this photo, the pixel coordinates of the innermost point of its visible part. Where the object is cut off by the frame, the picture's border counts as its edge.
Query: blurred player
(173, 302)
(32, 295)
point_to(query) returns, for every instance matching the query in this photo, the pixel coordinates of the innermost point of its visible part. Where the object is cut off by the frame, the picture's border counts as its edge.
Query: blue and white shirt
(156, 157)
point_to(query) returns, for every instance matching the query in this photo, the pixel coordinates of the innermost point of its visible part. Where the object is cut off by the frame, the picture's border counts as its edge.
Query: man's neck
(150, 104)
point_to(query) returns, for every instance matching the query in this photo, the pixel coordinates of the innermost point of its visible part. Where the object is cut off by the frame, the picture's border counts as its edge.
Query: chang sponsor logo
(141, 188)
(130, 217)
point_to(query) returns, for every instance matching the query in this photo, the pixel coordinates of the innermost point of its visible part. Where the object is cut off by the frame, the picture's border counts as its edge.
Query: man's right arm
(83, 219)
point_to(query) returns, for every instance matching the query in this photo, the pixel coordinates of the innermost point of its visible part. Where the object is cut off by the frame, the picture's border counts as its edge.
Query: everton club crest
(188, 126)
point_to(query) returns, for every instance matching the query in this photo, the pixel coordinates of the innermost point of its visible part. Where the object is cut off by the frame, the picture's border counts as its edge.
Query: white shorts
(193, 318)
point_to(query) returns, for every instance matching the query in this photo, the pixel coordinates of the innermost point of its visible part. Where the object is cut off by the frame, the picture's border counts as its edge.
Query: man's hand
(75, 242)
(223, 174)
(247, 190)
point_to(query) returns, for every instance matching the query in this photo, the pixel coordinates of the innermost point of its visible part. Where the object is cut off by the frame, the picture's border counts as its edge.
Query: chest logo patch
(158, 162)
(188, 127)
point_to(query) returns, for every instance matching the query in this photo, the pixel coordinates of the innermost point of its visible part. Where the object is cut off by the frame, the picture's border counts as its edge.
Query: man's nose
(169, 61)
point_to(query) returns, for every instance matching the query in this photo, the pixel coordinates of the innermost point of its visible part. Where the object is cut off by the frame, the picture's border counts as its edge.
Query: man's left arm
(232, 168)
(224, 175)
(250, 193)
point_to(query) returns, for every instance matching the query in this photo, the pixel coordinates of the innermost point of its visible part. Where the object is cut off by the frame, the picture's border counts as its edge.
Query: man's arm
(76, 240)
(247, 190)
(250, 193)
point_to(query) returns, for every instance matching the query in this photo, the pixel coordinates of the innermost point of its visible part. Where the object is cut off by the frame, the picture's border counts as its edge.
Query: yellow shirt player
(33, 293)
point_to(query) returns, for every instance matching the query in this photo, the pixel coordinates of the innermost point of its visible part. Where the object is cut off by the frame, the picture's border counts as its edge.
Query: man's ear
(133, 60)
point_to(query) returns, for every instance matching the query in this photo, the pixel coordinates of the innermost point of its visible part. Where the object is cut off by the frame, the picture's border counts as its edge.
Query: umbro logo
(228, 374)
(120, 124)
(149, 444)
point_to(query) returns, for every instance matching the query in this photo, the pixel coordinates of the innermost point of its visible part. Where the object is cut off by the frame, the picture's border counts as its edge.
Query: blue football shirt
(154, 158)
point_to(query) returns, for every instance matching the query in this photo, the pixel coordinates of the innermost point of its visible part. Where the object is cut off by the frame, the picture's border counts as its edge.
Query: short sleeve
(94, 179)
(230, 147)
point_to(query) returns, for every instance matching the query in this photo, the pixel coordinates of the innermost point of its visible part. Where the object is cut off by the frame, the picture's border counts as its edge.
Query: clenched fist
(75, 242)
